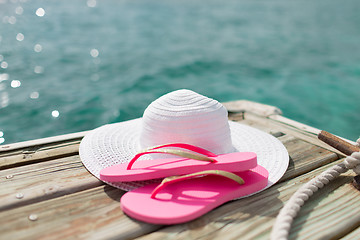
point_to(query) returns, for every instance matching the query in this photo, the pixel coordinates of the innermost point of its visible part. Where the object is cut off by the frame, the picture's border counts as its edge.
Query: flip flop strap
(185, 146)
(173, 179)
(159, 149)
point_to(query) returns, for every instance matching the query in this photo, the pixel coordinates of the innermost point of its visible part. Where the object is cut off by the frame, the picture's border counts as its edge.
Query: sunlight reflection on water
(68, 66)
(20, 37)
(37, 48)
(15, 83)
(40, 12)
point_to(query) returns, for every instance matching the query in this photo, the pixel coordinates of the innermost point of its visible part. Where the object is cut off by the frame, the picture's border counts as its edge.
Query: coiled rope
(281, 228)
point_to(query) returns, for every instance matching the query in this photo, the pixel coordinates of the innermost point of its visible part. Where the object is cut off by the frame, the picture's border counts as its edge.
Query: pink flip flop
(187, 163)
(183, 199)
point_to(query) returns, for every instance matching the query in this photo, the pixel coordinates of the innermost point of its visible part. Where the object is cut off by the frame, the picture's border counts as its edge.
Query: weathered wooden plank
(304, 157)
(44, 149)
(38, 182)
(233, 106)
(61, 187)
(55, 178)
(109, 223)
(49, 151)
(254, 107)
(39, 153)
(50, 179)
(354, 234)
(90, 214)
(306, 148)
(303, 128)
(302, 149)
(267, 111)
(273, 126)
(331, 213)
(253, 217)
(294, 124)
(42, 141)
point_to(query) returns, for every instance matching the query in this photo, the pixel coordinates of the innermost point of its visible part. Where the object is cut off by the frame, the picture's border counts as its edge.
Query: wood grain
(69, 203)
(338, 143)
(90, 214)
(253, 217)
(272, 126)
(96, 211)
(355, 233)
(34, 154)
(304, 156)
(42, 181)
(50, 179)
(69, 172)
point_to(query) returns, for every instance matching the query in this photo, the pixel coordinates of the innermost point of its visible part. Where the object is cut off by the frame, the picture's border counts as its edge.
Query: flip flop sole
(187, 200)
(160, 168)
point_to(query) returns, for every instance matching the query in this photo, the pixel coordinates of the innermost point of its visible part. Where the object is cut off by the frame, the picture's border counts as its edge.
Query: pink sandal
(181, 199)
(187, 163)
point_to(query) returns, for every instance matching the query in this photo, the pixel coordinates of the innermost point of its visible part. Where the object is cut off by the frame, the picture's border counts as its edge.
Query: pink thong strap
(204, 157)
(187, 163)
(174, 179)
(184, 201)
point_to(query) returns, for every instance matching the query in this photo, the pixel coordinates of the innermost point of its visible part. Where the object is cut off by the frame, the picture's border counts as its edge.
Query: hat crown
(187, 117)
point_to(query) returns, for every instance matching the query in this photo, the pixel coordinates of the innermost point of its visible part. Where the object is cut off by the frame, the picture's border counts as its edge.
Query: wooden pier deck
(46, 193)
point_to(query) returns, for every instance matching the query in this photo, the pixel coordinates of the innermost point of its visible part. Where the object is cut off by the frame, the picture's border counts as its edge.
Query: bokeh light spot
(4, 100)
(55, 113)
(37, 48)
(19, 10)
(4, 64)
(4, 77)
(91, 3)
(12, 20)
(34, 95)
(94, 53)
(20, 37)
(38, 69)
(40, 12)
(15, 83)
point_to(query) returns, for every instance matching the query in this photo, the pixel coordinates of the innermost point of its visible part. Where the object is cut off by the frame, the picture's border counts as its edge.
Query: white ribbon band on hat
(180, 116)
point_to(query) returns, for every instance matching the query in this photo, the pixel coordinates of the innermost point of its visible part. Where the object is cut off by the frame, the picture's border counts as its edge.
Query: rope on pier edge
(281, 228)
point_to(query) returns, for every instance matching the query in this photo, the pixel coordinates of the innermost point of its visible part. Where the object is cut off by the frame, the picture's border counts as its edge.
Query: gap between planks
(271, 126)
(37, 154)
(66, 171)
(253, 217)
(43, 181)
(50, 179)
(91, 213)
(50, 151)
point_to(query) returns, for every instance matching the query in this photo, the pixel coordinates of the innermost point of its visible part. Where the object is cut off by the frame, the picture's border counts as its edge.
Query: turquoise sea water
(68, 66)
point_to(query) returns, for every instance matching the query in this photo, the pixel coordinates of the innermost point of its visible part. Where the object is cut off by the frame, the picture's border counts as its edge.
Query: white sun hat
(182, 116)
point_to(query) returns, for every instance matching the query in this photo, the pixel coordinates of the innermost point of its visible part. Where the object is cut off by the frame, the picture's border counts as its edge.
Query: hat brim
(119, 142)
